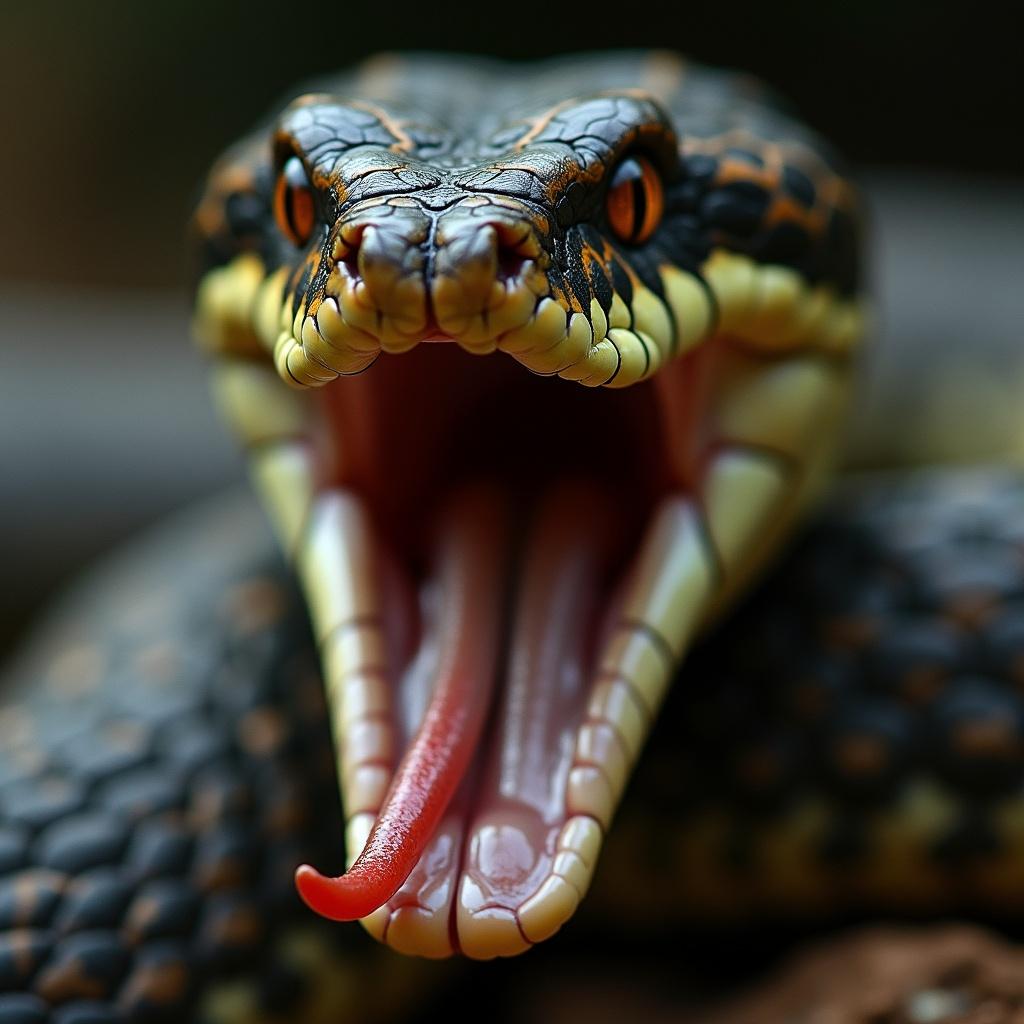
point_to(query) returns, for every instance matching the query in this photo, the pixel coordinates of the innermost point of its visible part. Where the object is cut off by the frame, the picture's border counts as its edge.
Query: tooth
(632, 655)
(357, 831)
(485, 932)
(613, 701)
(640, 356)
(597, 368)
(353, 311)
(577, 344)
(364, 789)
(778, 292)
(674, 576)
(571, 867)
(774, 308)
(783, 405)
(589, 791)
(336, 567)
(651, 319)
(619, 314)
(367, 741)
(598, 320)
(251, 397)
(666, 598)
(739, 492)
(582, 836)
(397, 337)
(548, 909)
(355, 650)
(330, 323)
(419, 931)
(312, 342)
(336, 564)
(343, 347)
(297, 321)
(733, 281)
(544, 331)
(421, 909)
(294, 368)
(598, 744)
(359, 695)
(573, 341)
(350, 356)
(270, 299)
(224, 306)
(284, 479)
(808, 317)
(690, 304)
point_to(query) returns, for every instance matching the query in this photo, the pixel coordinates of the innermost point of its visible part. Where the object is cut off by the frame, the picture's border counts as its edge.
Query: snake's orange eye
(636, 200)
(293, 202)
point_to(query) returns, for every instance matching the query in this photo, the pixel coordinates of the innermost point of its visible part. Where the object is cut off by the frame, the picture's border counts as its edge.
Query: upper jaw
(478, 271)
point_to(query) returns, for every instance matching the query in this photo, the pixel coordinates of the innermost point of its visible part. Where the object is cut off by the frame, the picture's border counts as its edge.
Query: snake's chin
(484, 564)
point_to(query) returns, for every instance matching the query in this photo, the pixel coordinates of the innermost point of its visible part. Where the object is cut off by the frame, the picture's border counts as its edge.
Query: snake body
(631, 223)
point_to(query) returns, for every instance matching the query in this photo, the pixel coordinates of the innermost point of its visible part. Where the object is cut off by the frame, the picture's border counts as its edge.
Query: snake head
(504, 572)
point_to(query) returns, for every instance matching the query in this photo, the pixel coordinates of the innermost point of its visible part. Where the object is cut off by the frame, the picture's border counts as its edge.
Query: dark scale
(152, 855)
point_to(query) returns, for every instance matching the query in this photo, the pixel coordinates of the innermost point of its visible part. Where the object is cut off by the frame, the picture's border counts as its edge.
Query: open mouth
(480, 571)
(503, 573)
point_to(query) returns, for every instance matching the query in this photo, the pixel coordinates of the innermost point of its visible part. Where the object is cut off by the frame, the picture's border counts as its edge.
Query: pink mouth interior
(499, 581)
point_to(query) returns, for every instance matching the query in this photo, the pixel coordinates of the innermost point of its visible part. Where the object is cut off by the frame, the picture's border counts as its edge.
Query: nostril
(350, 261)
(510, 263)
(514, 251)
(347, 245)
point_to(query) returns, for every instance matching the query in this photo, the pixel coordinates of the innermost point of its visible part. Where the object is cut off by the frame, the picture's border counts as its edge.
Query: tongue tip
(345, 898)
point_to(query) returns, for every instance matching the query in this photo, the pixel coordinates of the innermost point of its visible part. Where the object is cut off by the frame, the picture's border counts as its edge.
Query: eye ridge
(294, 207)
(635, 200)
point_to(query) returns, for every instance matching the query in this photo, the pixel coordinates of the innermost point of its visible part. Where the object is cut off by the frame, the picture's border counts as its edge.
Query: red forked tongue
(472, 569)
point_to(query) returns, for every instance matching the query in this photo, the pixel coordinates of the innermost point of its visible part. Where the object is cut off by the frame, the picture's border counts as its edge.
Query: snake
(537, 370)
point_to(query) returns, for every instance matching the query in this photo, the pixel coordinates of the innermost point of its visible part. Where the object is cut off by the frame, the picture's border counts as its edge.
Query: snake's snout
(402, 272)
(378, 277)
(487, 272)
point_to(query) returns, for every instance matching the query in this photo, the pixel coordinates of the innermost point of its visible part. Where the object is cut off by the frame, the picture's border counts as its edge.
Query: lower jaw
(512, 853)
(500, 870)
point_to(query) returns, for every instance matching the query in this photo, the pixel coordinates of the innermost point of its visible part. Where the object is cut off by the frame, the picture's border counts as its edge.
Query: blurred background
(112, 111)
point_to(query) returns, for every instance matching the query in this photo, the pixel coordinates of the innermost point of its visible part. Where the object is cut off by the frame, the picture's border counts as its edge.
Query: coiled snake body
(503, 572)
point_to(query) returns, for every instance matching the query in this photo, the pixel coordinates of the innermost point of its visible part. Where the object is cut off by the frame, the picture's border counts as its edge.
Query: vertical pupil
(639, 190)
(295, 200)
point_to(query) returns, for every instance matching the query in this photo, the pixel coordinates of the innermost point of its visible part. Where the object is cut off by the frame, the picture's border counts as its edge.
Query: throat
(415, 427)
